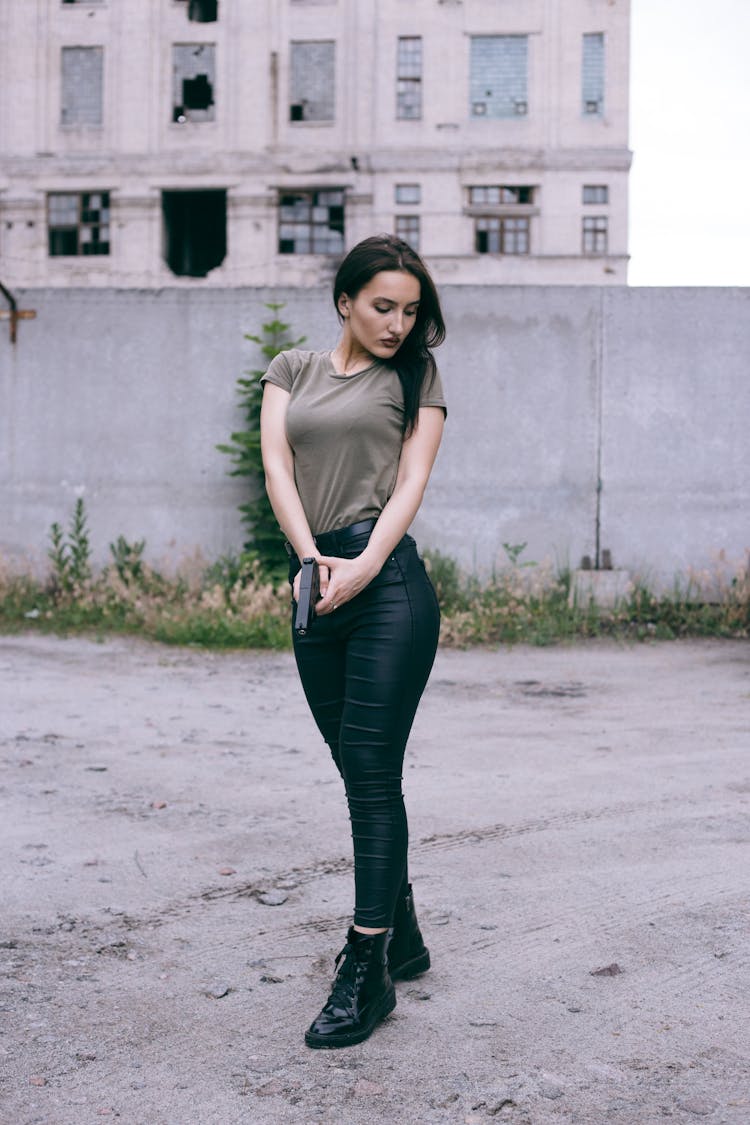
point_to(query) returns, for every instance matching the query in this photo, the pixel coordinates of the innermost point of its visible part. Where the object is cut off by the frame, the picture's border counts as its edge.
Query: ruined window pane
(78, 223)
(312, 81)
(195, 231)
(409, 77)
(82, 85)
(499, 76)
(193, 71)
(311, 222)
(407, 227)
(592, 75)
(595, 235)
(595, 193)
(408, 193)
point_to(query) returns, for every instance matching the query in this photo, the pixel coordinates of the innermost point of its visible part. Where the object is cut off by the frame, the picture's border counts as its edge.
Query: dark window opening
(203, 11)
(78, 223)
(311, 222)
(197, 93)
(195, 231)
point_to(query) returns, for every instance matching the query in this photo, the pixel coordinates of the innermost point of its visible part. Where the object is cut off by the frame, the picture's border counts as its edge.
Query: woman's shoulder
(285, 368)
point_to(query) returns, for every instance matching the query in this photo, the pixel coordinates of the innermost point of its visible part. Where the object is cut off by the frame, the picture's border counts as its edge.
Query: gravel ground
(177, 880)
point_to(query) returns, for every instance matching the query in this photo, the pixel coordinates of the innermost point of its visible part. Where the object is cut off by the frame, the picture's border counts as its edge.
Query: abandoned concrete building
(170, 142)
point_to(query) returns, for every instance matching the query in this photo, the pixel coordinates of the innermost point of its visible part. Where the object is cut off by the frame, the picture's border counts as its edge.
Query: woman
(349, 438)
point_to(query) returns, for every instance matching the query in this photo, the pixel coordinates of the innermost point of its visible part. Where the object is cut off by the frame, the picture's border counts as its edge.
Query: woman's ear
(344, 305)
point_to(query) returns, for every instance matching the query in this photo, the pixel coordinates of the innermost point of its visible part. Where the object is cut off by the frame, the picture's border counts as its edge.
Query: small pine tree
(244, 446)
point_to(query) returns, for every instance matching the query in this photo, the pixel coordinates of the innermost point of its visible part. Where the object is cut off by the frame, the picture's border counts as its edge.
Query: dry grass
(232, 603)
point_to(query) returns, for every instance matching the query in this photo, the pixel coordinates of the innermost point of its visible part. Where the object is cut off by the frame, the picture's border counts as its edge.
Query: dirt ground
(176, 882)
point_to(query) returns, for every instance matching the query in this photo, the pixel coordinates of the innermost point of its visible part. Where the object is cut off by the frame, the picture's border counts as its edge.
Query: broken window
(499, 75)
(409, 78)
(407, 227)
(311, 222)
(82, 85)
(595, 193)
(193, 70)
(311, 86)
(592, 75)
(501, 235)
(195, 231)
(202, 11)
(78, 223)
(408, 193)
(595, 235)
(500, 195)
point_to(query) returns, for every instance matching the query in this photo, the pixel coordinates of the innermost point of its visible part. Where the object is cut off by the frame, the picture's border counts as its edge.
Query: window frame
(478, 106)
(413, 199)
(589, 227)
(505, 195)
(593, 107)
(84, 47)
(298, 118)
(295, 194)
(598, 193)
(81, 224)
(507, 228)
(409, 236)
(187, 116)
(409, 85)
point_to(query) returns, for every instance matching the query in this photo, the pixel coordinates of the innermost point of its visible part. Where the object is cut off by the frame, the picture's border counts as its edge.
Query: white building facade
(176, 142)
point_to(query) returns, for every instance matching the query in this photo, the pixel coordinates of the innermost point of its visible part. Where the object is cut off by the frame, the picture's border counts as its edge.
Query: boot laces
(345, 983)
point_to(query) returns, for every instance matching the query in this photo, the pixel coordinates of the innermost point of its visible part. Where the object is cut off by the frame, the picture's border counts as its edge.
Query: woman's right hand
(324, 575)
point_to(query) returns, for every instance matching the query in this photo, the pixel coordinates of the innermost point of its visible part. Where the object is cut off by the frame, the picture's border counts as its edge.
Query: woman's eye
(381, 310)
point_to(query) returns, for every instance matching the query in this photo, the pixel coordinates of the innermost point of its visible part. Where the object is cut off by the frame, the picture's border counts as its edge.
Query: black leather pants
(363, 669)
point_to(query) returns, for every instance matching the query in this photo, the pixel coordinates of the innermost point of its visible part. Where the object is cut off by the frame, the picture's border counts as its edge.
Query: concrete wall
(122, 395)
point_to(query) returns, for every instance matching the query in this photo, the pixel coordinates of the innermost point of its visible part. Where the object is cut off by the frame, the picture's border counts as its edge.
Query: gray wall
(122, 395)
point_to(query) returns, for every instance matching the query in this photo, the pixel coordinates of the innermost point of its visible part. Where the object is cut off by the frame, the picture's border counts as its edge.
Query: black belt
(329, 541)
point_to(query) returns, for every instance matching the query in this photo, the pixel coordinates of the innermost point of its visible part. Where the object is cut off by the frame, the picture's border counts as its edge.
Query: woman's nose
(396, 322)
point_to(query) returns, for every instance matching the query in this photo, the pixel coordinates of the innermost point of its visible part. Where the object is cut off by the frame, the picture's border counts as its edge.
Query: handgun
(309, 592)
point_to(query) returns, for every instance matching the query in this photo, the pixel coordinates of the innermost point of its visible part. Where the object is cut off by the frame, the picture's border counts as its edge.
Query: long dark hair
(413, 362)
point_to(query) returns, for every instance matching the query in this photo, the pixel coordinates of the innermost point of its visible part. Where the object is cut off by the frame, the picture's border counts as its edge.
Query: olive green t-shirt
(345, 432)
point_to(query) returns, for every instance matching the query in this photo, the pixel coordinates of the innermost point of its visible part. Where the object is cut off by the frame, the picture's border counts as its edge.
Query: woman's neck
(349, 358)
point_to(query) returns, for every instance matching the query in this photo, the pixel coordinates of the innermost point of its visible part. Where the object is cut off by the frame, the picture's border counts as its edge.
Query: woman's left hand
(347, 578)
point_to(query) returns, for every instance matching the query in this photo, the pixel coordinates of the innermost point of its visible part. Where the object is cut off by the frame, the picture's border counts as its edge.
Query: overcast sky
(690, 134)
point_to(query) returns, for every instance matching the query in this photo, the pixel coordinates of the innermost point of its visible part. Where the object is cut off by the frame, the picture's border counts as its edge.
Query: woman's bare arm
(278, 464)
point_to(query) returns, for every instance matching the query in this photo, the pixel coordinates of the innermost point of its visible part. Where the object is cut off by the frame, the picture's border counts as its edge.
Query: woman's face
(383, 313)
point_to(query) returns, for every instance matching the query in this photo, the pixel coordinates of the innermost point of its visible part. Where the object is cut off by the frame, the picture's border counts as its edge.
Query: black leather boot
(361, 996)
(408, 956)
